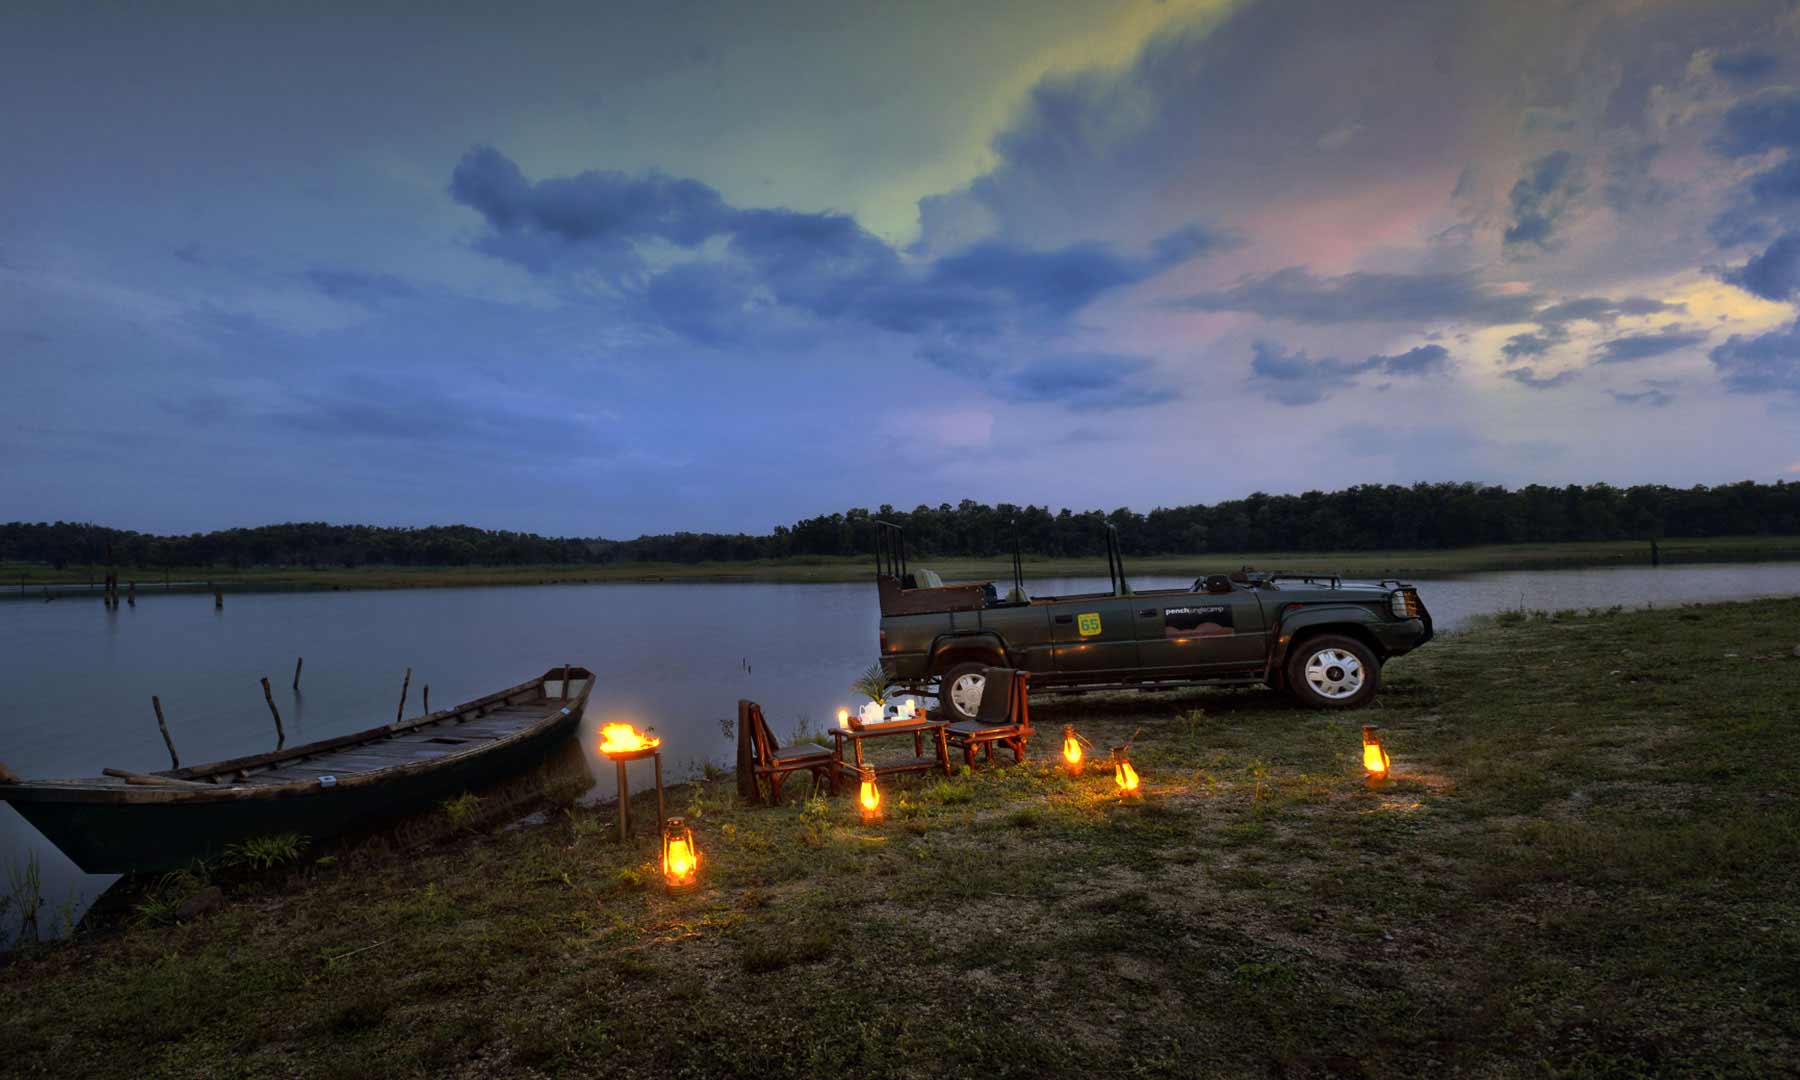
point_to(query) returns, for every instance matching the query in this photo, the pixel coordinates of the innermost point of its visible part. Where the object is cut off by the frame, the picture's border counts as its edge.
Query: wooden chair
(1004, 717)
(771, 761)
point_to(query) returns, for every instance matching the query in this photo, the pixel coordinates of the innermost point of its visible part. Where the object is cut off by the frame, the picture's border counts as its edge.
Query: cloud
(1294, 378)
(1533, 344)
(1424, 360)
(1645, 346)
(1629, 184)
(358, 286)
(1297, 295)
(403, 410)
(1766, 120)
(824, 266)
(1771, 194)
(1765, 364)
(1652, 397)
(1078, 380)
(1773, 275)
(1600, 309)
(1536, 118)
(538, 224)
(1528, 376)
(1087, 381)
(1540, 198)
(1746, 65)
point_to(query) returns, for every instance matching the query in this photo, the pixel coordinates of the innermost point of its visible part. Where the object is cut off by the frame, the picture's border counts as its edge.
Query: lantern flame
(623, 739)
(681, 861)
(1125, 776)
(1375, 756)
(870, 798)
(1071, 751)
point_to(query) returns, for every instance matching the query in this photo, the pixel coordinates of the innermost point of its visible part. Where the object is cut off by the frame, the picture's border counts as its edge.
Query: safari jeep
(1322, 639)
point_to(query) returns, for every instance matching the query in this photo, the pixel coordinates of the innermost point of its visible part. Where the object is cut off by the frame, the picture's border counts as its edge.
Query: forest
(1363, 518)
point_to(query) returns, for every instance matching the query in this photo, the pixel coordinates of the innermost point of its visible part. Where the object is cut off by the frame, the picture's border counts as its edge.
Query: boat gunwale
(99, 790)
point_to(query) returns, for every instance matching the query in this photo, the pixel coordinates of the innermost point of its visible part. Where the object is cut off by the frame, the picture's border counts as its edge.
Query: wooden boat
(126, 822)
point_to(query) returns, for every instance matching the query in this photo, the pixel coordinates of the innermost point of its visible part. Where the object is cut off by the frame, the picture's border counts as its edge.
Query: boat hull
(147, 837)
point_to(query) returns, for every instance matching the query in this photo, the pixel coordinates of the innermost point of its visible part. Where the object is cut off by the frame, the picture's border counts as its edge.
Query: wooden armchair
(1004, 717)
(769, 760)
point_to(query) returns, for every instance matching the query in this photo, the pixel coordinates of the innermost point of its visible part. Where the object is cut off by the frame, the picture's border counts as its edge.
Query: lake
(77, 678)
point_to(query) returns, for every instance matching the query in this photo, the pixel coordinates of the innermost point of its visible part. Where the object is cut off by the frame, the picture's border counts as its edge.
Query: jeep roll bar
(890, 556)
(1115, 562)
(1018, 562)
(890, 550)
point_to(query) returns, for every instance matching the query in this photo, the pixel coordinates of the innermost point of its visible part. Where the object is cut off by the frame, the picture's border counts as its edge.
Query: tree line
(1368, 517)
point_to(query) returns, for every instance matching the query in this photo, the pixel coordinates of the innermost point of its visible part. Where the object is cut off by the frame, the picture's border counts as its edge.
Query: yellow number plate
(1088, 623)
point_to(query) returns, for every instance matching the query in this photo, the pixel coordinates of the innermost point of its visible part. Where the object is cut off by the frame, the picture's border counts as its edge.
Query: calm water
(76, 679)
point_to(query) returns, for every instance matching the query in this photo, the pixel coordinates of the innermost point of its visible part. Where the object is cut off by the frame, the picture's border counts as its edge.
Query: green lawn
(1585, 866)
(1359, 563)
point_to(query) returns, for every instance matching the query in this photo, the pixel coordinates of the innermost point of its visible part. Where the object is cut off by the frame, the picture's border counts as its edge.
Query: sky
(628, 268)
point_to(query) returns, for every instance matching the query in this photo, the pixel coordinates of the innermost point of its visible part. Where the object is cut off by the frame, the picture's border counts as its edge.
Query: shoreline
(28, 581)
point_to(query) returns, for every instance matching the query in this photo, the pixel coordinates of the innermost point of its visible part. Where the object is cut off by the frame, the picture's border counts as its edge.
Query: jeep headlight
(1404, 603)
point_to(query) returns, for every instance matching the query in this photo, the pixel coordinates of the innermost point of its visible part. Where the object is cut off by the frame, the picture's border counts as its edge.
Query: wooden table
(620, 758)
(918, 728)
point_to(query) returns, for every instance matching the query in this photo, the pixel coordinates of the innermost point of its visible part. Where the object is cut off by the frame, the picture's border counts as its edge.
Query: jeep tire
(1333, 672)
(959, 692)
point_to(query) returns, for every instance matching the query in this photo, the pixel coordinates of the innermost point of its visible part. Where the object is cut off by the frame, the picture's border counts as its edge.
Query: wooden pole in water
(174, 760)
(297, 664)
(405, 684)
(131, 594)
(563, 694)
(269, 696)
(218, 598)
(427, 696)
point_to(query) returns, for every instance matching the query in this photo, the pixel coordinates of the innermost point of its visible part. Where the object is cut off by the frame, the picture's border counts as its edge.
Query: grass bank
(30, 577)
(1584, 867)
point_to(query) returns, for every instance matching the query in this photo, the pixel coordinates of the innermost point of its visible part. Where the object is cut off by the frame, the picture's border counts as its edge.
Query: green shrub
(461, 809)
(265, 852)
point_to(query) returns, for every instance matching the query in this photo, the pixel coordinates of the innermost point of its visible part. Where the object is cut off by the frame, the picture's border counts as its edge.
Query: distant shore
(30, 578)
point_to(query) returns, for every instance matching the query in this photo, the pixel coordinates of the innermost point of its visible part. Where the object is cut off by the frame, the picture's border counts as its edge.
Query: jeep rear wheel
(1332, 672)
(959, 693)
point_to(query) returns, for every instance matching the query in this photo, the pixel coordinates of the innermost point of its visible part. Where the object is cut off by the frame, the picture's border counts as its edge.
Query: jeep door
(1025, 631)
(1093, 633)
(1200, 631)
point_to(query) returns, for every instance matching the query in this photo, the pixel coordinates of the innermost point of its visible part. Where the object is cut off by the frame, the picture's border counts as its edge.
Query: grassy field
(1584, 866)
(1356, 563)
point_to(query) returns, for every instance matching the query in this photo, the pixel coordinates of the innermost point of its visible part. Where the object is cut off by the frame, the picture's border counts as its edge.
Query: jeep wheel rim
(965, 693)
(1334, 673)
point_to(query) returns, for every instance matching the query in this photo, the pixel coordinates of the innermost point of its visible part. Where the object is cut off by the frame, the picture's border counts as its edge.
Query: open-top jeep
(1321, 638)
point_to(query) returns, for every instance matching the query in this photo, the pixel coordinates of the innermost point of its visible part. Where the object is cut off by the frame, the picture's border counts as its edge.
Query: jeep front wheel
(1331, 672)
(959, 692)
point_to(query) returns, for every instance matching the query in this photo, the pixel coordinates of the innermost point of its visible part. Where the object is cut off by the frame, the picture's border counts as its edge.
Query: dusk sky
(614, 269)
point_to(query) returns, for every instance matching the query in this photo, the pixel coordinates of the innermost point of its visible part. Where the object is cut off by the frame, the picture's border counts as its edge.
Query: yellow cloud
(1105, 36)
(1711, 303)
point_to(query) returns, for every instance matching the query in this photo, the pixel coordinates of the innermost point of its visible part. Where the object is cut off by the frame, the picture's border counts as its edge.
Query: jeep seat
(926, 579)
